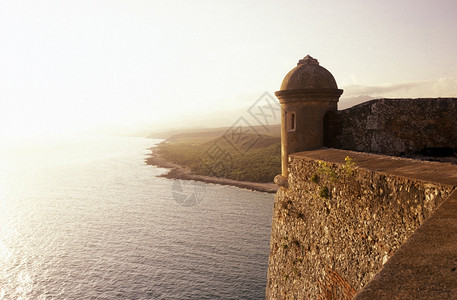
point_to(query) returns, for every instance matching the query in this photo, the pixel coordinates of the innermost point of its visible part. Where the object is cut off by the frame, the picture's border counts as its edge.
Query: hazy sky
(83, 63)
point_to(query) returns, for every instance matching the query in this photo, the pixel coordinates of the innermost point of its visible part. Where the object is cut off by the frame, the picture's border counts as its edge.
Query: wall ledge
(434, 172)
(425, 266)
(383, 227)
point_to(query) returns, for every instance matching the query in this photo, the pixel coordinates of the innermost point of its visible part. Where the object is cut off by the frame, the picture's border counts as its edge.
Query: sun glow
(129, 62)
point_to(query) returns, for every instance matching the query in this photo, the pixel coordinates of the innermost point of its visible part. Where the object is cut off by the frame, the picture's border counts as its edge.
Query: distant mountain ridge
(212, 133)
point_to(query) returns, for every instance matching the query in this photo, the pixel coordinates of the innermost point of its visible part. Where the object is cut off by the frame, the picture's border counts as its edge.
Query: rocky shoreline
(178, 172)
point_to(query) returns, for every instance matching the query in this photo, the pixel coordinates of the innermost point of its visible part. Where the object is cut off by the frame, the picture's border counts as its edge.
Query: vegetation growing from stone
(326, 170)
(330, 247)
(247, 157)
(347, 170)
(324, 192)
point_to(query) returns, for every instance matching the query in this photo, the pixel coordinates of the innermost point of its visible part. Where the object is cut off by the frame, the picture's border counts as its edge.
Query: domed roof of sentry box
(308, 74)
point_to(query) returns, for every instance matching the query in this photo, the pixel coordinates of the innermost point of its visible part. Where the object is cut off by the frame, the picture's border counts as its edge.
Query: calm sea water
(87, 219)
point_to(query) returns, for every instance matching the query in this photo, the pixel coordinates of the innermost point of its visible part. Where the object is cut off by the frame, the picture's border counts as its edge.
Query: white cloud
(442, 87)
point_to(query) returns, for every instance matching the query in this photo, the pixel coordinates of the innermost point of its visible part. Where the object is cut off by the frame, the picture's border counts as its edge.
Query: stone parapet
(343, 215)
(425, 267)
(398, 126)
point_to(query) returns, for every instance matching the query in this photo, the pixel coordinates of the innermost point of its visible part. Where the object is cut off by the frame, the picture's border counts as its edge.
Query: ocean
(86, 218)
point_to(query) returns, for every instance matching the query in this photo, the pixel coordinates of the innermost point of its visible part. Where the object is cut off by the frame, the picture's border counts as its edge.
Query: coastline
(179, 172)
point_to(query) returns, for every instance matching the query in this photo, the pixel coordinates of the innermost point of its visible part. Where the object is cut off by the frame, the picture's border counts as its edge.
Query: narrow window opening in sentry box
(291, 122)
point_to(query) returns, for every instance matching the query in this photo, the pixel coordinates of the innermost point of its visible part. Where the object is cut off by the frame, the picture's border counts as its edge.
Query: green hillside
(247, 156)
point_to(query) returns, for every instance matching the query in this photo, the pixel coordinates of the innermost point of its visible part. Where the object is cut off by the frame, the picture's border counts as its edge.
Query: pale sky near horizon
(68, 65)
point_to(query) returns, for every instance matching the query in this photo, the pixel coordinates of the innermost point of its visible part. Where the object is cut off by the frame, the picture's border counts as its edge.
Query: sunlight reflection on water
(86, 219)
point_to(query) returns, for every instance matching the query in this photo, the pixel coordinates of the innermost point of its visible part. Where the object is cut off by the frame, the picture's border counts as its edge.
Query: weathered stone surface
(281, 181)
(308, 74)
(338, 223)
(398, 126)
(425, 266)
(308, 94)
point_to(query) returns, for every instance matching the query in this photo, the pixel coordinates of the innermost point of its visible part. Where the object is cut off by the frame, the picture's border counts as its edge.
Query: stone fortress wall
(337, 224)
(343, 219)
(398, 126)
